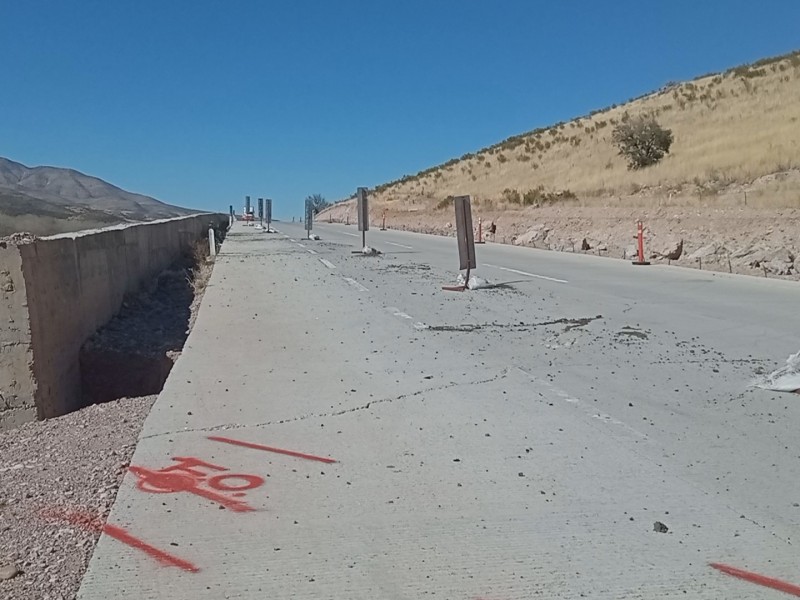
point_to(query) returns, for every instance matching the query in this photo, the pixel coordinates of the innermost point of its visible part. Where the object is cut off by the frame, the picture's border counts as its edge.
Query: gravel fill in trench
(71, 463)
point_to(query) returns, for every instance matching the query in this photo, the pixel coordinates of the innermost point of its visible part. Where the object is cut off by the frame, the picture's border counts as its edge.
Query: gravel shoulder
(71, 464)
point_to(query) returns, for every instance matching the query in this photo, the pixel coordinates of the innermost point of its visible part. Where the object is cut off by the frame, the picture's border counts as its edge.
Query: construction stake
(640, 237)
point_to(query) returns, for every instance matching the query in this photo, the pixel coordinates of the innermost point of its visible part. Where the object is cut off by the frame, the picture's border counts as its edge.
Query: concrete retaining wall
(56, 291)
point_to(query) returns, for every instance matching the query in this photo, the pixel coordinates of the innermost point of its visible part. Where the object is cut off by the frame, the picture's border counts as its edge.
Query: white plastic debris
(477, 283)
(474, 283)
(368, 251)
(785, 379)
(313, 236)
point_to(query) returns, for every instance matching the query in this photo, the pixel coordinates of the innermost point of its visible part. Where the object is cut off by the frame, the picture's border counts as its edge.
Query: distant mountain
(45, 200)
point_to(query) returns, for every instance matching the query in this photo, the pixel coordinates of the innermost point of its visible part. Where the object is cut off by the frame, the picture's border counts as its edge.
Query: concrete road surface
(583, 428)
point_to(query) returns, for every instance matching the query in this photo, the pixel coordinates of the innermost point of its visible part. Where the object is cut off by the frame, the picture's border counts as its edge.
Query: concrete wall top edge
(121, 226)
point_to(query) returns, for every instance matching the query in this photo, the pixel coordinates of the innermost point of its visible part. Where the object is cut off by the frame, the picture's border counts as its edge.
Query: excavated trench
(132, 355)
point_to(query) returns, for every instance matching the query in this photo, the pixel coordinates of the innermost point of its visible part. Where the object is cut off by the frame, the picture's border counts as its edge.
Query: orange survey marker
(480, 232)
(640, 237)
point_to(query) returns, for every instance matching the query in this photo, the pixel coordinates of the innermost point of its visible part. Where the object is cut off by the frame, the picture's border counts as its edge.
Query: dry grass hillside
(731, 128)
(736, 146)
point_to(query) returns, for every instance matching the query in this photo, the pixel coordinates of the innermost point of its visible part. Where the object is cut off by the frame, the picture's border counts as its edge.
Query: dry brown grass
(732, 132)
(200, 275)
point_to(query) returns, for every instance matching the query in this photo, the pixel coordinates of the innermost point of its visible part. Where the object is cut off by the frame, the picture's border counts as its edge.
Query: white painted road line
(400, 245)
(350, 234)
(327, 263)
(587, 410)
(292, 240)
(418, 325)
(527, 274)
(301, 245)
(355, 284)
(310, 251)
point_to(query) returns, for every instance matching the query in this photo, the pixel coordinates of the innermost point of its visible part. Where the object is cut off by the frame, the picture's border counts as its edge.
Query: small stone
(9, 572)
(659, 527)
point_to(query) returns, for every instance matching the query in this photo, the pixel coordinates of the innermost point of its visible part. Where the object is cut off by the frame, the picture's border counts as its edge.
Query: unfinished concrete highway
(582, 428)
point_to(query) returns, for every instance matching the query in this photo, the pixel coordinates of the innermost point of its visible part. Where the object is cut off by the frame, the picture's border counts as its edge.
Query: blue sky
(201, 102)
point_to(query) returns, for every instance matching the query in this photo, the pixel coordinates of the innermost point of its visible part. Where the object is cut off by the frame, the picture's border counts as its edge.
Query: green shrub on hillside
(642, 141)
(318, 202)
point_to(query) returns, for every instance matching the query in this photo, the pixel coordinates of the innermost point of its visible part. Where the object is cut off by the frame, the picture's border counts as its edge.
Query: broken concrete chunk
(659, 527)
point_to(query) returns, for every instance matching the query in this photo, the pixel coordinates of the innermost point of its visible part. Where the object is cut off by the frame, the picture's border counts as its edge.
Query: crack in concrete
(711, 361)
(522, 326)
(774, 534)
(228, 426)
(632, 332)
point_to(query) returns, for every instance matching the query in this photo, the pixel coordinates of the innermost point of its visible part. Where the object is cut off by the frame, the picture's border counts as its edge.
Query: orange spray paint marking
(770, 582)
(118, 533)
(225, 440)
(187, 477)
(94, 523)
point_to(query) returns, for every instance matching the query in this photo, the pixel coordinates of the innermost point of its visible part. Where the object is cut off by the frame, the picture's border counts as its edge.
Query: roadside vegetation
(318, 202)
(697, 139)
